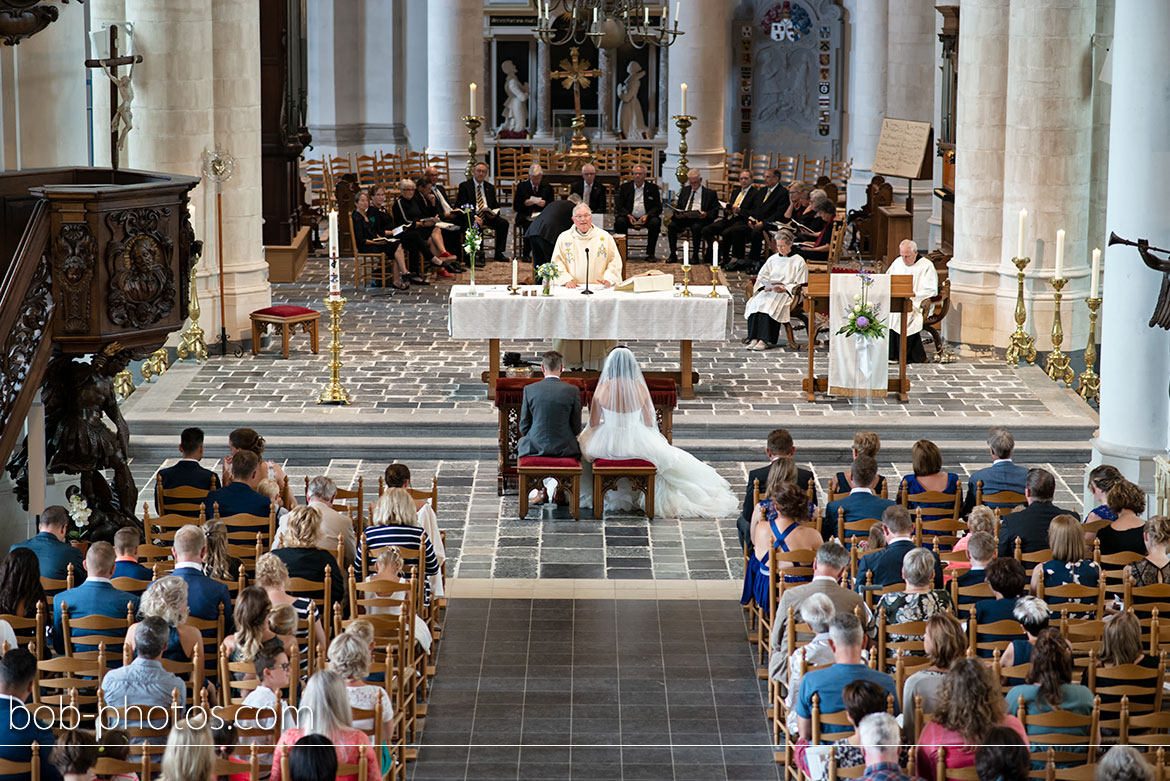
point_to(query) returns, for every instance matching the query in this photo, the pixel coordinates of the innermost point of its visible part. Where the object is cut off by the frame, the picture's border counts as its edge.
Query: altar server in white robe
(604, 269)
(771, 304)
(925, 287)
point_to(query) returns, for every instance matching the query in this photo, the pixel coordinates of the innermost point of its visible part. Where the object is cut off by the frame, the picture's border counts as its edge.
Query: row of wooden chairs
(793, 168)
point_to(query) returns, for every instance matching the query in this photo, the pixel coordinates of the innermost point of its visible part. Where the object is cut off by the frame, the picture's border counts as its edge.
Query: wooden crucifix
(575, 74)
(120, 117)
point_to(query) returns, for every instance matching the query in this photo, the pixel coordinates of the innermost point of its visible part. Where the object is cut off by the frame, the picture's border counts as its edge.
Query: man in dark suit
(1030, 525)
(95, 597)
(54, 555)
(861, 503)
(695, 198)
(550, 416)
(532, 195)
(595, 198)
(639, 205)
(779, 444)
(204, 595)
(126, 542)
(742, 201)
(544, 231)
(187, 472)
(481, 195)
(886, 564)
(769, 208)
(18, 728)
(240, 496)
(1002, 475)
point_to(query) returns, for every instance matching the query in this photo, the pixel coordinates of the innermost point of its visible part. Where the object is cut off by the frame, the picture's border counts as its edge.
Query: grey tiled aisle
(595, 689)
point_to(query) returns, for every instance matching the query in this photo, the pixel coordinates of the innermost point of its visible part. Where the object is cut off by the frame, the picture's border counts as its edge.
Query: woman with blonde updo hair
(303, 558)
(1125, 533)
(1155, 567)
(166, 598)
(395, 522)
(272, 576)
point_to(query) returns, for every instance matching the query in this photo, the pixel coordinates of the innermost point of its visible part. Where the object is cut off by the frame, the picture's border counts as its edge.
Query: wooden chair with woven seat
(1063, 744)
(532, 470)
(288, 317)
(847, 529)
(1003, 502)
(913, 501)
(69, 682)
(1075, 599)
(53, 586)
(1030, 560)
(31, 630)
(30, 769)
(183, 499)
(953, 773)
(995, 635)
(1129, 685)
(99, 630)
(607, 472)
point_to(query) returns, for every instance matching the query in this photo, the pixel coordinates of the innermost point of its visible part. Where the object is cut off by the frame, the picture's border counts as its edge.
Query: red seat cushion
(623, 462)
(542, 461)
(285, 310)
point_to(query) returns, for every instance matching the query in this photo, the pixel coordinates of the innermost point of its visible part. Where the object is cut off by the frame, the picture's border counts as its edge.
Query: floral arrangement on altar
(548, 271)
(864, 319)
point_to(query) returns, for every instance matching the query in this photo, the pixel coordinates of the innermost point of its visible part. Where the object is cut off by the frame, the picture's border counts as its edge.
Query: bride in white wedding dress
(622, 426)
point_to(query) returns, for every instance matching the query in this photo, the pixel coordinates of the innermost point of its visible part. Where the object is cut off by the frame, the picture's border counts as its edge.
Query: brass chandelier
(608, 23)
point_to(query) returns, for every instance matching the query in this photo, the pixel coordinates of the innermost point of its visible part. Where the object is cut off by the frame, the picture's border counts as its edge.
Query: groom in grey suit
(550, 417)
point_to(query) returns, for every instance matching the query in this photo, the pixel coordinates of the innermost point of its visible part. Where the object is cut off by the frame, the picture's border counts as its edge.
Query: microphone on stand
(586, 291)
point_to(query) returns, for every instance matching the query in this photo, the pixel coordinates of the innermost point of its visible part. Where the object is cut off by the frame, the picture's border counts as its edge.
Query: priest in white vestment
(776, 284)
(925, 287)
(603, 268)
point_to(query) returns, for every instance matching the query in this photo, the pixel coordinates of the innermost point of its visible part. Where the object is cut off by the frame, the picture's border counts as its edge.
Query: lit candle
(684, 99)
(676, 7)
(1094, 283)
(334, 263)
(594, 15)
(715, 254)
(1059, 255)
(1023, 222)
(515, 271)
(646, 16)
(686, 253)
(471, 92)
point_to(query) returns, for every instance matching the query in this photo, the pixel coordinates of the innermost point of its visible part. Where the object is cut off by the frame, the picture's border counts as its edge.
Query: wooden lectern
(816, 299)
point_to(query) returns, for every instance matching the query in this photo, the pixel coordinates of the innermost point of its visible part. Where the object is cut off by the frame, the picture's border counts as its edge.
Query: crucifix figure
(575, 74)
(121, 93)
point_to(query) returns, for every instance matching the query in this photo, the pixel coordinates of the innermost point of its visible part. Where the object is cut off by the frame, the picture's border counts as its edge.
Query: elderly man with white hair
(925, 288)
(531, 196)
(320, 494)
(586, 252)
(881, 739)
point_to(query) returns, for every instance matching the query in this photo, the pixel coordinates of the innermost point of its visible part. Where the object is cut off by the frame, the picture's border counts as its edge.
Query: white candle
(677, 5)
(471, 92)
(715, 254)
(1059, 255)
(334, 263)
(515, 271)
(1094, 283)
(1023, 222)
(684, 100)
(686, 253)
(595, 15)
(646, 16)
(333, 233)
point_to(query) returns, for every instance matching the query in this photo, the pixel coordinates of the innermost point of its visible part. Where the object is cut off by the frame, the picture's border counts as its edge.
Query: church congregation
(714, 389)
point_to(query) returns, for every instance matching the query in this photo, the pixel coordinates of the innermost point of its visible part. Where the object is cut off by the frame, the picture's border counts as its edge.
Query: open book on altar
(650, 282)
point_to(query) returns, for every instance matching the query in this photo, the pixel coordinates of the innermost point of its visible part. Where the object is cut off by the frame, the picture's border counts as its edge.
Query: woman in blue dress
(926, 460)
(1068, 565)
(1101, 479)
(167, 599)
(780, 522)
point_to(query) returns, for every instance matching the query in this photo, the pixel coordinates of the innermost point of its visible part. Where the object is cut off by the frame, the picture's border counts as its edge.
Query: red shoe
(445, 255)
(444, 273)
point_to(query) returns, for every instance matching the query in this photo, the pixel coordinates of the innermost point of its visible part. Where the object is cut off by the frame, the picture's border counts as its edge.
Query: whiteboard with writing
(901, 148)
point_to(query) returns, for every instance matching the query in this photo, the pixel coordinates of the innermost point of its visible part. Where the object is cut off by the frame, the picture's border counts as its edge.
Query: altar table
(607, 314)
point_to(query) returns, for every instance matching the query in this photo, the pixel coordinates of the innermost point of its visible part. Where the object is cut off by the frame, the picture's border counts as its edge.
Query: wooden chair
(929, 514)
(213, 637)
(319, 591)
(358, 770)
(146, 736)
(1010, 675)
(1150, 729)
(161, 529)
(1030, 560)
(367, 170)
(1130, 684)
(30, 630)
(1063, 744)
(788, 166)
(242, 527)
(996, 635)
(758, 164)
(30, 770)
(889, 651)
(1003, 502)
(977, 592)
(53, 586)
(108, 766)
(942, 771)
(846, 529)
(937, 533)
(69, 682)
(100, 630)
(1074, 599)
(732, 165)
(182, 500)
(225, 768)
(396, 652)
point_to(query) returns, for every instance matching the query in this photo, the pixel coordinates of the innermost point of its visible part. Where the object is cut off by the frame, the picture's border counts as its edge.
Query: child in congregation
(115, 745)
(75, 755)
(226, 739)
(388, 566)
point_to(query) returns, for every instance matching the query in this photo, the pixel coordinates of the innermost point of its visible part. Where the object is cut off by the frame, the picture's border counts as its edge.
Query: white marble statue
(516, 105)
(630, 120)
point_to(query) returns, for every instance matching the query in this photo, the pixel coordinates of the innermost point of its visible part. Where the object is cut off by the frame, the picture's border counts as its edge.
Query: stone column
(336, 76)
(605, 95)
(383, 100)
(1135, 360)
(1047, 162)
(979, 128)
(868, 64)
(699, 60)
(662, 102)
(543, 91)
(454, 27)
(912, 64)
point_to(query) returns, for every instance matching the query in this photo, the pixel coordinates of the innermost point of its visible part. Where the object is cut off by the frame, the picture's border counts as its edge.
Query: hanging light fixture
(608, 23)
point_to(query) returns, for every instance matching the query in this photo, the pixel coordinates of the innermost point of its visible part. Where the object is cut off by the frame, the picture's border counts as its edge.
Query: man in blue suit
(18, 729)
(187, 471)
(54, 554)
(240, 495)
(861, 502)
(95, 597)
(1002, 475)
(126, 564)
(886, 564)
(204, 594)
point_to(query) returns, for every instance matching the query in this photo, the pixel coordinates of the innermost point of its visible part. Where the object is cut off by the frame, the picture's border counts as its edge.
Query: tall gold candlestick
(1058, 368)
(1090, 383)
(191, 341)
(1022, 345)
(686, 291)
(334, 393)
(683, 122)
(472, 123)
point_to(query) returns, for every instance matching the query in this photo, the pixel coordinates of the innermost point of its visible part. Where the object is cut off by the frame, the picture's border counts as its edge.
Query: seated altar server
(586, 252)
(925, 287)
(775, 286)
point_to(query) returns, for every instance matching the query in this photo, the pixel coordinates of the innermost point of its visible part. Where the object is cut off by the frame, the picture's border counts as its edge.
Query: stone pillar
(662, 102)
(383, 100)
(1047, 163)
(979, 128)
(699, 60)
(1135, 359)
(336, 77)
(868, 64)
(543, 91)
(912, 63)
(605, 95)
(454, 27)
